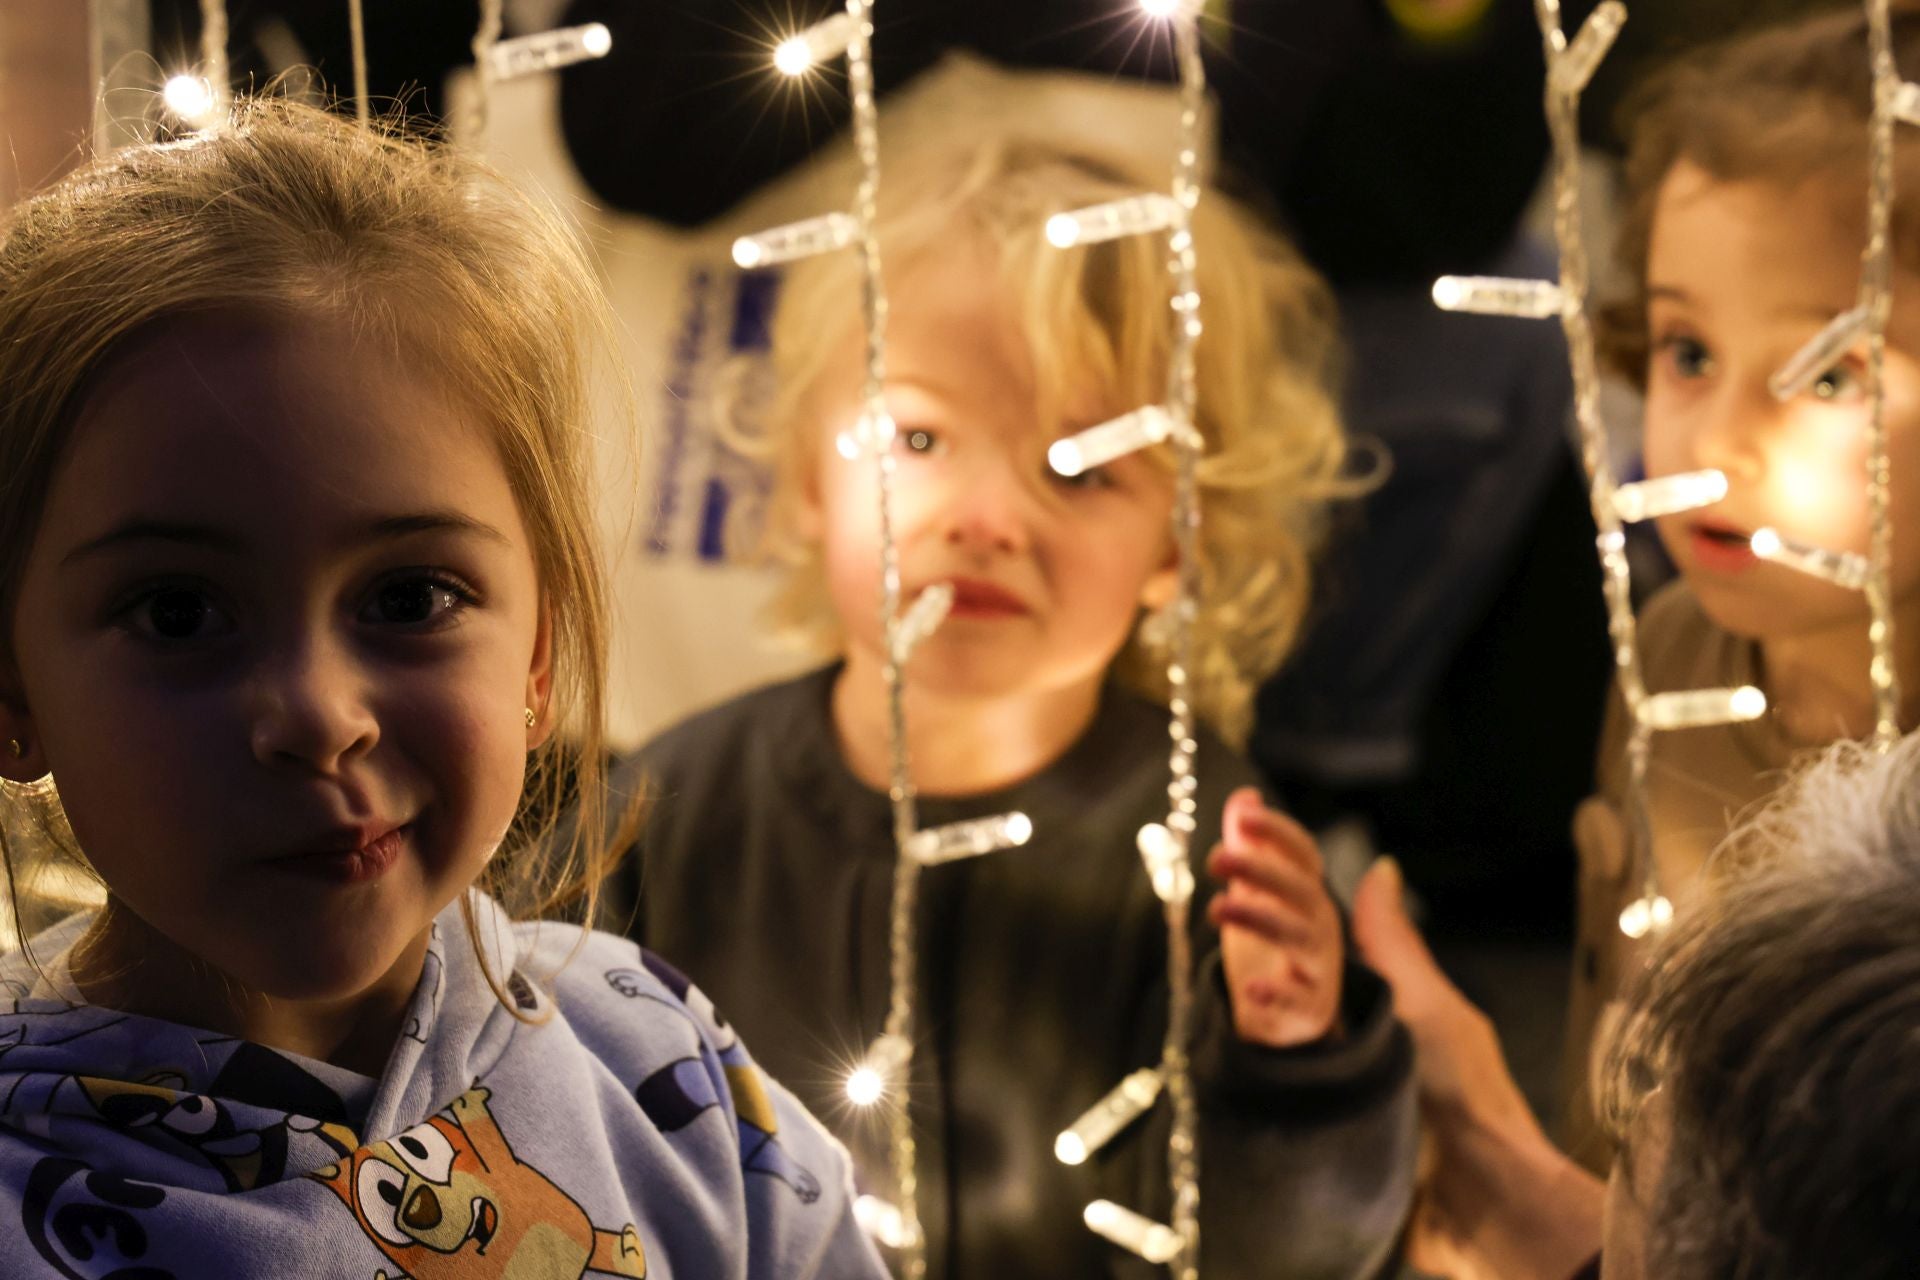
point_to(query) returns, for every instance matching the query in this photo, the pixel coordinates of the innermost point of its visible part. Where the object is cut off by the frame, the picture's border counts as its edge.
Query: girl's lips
(975, 599)
(1719, 548)
(352, 866)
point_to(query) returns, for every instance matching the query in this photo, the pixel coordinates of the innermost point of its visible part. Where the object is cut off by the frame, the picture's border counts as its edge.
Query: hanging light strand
(1876, 297)
(357, 36)
(902, 959)
(485, 38)
(213, 56)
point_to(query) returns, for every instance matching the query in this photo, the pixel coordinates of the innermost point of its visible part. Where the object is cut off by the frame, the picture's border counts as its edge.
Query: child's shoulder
(779, 716)
(602, 978)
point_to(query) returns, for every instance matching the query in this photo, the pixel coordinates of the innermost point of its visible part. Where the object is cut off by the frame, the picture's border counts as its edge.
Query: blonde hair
(1098, 315)
(293, 211)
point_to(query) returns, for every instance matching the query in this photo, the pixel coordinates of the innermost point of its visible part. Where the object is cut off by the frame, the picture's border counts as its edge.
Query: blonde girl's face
(1049, 573)
(276, 633)
(1740, 276)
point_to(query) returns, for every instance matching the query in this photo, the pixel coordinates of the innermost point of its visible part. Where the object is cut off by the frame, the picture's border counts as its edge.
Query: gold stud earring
(17, 748)
(530, 717)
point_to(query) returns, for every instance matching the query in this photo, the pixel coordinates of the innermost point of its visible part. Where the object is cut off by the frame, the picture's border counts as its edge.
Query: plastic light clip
(1499, 296)
(1668, 495)
(549, 50)
(1842, 568)
(795, 240)
(1165, 856)
(1133, 216)
(1810, 362)
(1154, 1241)
(932, 846)
(922, 619)
(1127, 1102)
(822, 42)
(1703, 708)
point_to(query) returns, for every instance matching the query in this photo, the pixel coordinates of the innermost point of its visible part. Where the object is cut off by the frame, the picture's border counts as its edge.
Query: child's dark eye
(1688, 357)
(920, 442)
(1091, 478)
(419, 602)
(174, 615)
(1838, 383)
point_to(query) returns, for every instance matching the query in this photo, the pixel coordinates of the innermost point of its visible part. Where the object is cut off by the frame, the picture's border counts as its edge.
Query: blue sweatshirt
(623, 1132)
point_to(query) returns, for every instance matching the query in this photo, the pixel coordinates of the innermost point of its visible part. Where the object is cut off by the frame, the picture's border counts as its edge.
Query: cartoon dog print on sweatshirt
(448, 1200)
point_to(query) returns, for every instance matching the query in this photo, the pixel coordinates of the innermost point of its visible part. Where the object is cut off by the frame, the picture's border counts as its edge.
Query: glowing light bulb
(1165, 856)
(1906, 102)
(1499, 296)
(1135, 215)
(886, 1059)
(550, 50)
(1811, 362)
(928, 611)
(1098, 445)
(1128, 1101)
(822, 42)
(883, 1221)
(1154, 1241)
(1644, 915)
(190, 98)
(1160, 8)
(1703, 708)
(969, 839)
(1842, 568)
(801, 239)
(1668, 495)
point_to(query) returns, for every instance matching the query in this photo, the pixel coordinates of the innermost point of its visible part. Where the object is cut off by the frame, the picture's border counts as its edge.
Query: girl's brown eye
(176, 613)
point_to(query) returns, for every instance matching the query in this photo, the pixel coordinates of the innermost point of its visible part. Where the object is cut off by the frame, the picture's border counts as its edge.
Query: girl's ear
(540, 681)
(809, 511)
(1163, 584)
(21, 759)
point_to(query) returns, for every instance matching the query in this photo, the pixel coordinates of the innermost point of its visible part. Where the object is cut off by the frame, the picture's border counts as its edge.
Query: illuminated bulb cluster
(932, 846)
(549, 50)
(795, 240)
(1165, 856)
(883, 1221)
(1645, 915)
(1128, 1101)
(1132, 216)
(1702, 708)
(1499, 296)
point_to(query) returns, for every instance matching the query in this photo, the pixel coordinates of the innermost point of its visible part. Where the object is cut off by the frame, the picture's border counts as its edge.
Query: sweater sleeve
(1307, 1153)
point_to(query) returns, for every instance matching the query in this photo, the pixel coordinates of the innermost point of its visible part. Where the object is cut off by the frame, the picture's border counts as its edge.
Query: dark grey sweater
(766, 872)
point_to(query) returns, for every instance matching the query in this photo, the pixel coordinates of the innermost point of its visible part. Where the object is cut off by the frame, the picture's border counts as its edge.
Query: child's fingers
(1267, 917)
(1272, 875)
(1248, 822)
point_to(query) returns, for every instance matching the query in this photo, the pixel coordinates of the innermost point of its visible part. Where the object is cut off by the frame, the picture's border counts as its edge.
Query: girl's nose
(1727, 435)
(308, 710)
(987, 511)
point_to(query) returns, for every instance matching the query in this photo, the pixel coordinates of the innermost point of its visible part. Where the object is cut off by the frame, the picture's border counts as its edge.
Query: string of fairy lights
(1570, 67)
(201, 100)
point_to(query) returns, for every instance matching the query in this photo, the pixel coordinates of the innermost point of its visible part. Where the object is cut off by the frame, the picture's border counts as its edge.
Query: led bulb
(1160, 8)
(1668, 495)
(1135, 215)
(1906, 102)
(1128, 1101)
(550, 50)
(821, 42)
(956, 840)
(1098, 445)
(1165, 856)
(189, 98)
(883, 1221)
(795, 240)
(1703, 708)
(1573, 67)
(1842, 568)
(928, 611)
(1499, 296)
(1821, 352)
(883, 1066)
(1644, 915)
(1154, 1241)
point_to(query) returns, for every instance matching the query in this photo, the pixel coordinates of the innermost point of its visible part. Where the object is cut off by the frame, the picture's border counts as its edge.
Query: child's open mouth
(973, 598)
(1720, 548)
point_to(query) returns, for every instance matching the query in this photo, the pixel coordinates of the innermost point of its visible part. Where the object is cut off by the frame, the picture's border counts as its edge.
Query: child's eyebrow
(142, 529)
